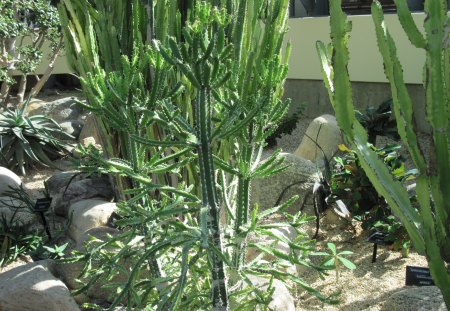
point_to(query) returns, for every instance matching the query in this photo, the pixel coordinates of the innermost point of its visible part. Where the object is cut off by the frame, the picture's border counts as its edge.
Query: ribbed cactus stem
(428, 228)
(209, 196)
(242, 208)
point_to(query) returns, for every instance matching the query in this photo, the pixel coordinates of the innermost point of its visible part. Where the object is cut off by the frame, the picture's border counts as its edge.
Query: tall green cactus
(429, 227)
(189, 106)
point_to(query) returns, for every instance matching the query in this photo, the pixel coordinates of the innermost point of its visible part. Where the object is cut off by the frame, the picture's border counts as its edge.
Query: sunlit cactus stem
(429, 227)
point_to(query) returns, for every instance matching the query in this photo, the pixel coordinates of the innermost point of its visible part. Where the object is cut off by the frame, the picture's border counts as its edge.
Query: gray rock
(8, 179)
(412, 298)
(282, 300)
(69, 272)
(32, 287)
(15, 212)
(287, 232)
(94, 187)
(72, 127)
(60, 110)
(266, 191)
(90, 130)
(60, 180)
(101, 233)
(325, 131)
(88, 214)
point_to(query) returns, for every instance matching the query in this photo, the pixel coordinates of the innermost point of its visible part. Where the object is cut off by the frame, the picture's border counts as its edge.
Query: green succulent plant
(334, 260)
(378, 121)
(25, 140)
(428, 226)
(185, 97)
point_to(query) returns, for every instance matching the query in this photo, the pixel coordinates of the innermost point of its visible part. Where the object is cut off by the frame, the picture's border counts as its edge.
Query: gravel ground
(34, 180)
(367, 287)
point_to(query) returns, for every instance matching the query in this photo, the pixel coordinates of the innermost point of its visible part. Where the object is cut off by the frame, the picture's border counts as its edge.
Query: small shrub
(287, 126)
(38, 21)
(18, 239)
(334, 260)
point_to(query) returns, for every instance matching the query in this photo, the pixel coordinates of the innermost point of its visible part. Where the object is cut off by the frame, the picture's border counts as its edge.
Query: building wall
(365, 60)
(312, 97)
(304, 85)
(370, 88)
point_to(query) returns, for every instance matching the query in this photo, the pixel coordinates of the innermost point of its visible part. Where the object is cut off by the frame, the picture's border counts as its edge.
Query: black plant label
(42, 205)
(418, 276)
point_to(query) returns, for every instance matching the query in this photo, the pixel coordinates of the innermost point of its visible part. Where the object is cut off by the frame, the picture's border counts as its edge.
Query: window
(305, 8)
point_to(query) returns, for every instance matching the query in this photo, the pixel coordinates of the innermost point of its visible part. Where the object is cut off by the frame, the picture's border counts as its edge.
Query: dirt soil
(365, 288)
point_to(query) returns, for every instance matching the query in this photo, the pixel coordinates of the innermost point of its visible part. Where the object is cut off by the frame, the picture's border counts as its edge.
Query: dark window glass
(308, 8)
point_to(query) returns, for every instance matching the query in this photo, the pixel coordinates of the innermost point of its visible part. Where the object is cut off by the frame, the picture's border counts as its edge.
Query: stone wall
(314, 97)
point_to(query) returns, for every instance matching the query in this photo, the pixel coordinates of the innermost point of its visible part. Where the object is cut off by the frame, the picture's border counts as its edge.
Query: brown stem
(21, 91)
(37, 88)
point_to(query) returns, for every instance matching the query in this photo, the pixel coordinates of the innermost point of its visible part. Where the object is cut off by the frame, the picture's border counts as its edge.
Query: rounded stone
(8, 179)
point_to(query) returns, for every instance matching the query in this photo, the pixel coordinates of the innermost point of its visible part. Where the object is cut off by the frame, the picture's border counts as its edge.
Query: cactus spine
(429, 228)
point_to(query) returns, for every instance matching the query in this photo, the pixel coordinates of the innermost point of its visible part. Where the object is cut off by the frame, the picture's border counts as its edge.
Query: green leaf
(350, 265)
(332, 247)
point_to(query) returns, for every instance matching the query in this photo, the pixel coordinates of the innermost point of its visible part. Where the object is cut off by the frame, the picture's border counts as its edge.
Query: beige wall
(365, 61)
(61, 65)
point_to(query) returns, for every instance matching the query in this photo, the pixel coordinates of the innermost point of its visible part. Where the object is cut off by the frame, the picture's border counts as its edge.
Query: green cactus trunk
(209, 197)
(429, 228)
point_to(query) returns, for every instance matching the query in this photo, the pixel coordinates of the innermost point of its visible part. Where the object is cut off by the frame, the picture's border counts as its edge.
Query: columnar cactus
(429, 227)
(190, 105)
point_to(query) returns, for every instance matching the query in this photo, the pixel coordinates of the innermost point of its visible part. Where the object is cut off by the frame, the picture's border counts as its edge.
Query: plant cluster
(185, 97)
(427, 226)
(350, 184)
(378, 121)
(334, 259)
(25, 140)
(25, 27)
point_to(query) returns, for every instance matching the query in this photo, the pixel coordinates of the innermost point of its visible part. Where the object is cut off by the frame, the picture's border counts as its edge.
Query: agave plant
(24, 140)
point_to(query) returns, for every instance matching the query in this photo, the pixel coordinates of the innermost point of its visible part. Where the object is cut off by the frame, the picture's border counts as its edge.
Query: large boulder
(297, 179)
(8, 179)
(95, 187)
(60, 180)
(72, 127)
(88, 214)
(324, 132)
(265, 240)
(287, 232)
(413, 298)
(60, 110)
(15, 212)
(32, 287)
(101, 233)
